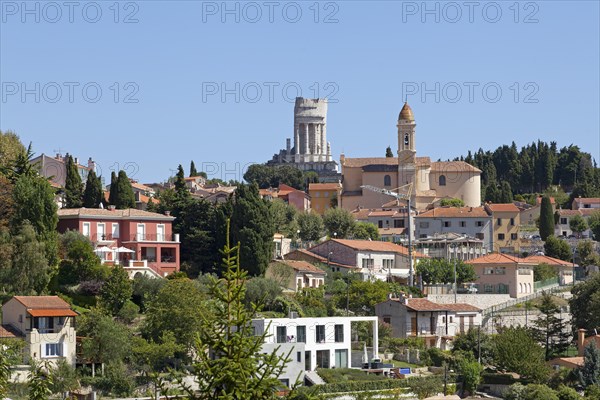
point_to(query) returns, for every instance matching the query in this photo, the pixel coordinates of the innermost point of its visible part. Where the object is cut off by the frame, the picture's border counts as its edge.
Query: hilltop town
(389, 276)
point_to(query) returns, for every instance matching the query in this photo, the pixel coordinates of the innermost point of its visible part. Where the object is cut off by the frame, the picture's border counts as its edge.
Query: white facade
(480, 228)
(47, 338)
(325, 342)
(437, 325)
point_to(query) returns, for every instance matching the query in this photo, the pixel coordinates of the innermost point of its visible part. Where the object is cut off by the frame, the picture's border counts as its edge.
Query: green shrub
(128, 312)
(567, 393)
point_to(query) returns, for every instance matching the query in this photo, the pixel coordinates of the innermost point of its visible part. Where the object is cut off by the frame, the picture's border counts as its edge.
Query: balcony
(152, 237)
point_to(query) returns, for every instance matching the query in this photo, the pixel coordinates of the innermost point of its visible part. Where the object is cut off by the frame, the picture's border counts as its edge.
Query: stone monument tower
(311, 151)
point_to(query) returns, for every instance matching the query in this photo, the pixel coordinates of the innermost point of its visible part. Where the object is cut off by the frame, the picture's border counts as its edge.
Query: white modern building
(314, 342)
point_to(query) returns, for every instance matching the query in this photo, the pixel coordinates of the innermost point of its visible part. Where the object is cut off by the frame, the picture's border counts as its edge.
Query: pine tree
(388, 152)
(73, 185)
(589, 374)
(546, 218)
(231, 364)
(124, 197)
(112, 195)
(193, 171)
(550, 330)
(93, 194)
(151, 206)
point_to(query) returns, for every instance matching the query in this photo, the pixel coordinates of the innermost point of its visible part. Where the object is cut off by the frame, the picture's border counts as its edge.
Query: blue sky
(162, 68)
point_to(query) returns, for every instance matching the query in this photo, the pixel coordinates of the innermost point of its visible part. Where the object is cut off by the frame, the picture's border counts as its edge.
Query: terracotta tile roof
(589, 200)
(141, 186)
(452, 166)
(53, 312)
(417, 304)
(574, 361)
(586, 212)
(43, 302)
(382, 213)
(455, 212)
(302, 266)
(569, 213)
(538, 200)
(324, 186)
(8, 332)
(498, 258)
(105, 213)
(547, 260)
(362, 162)
(376, 245)
(391, 231)
(318, 258)
(503, 207)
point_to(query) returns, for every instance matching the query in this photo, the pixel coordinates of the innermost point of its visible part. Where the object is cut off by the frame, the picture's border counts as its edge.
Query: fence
(545, 283)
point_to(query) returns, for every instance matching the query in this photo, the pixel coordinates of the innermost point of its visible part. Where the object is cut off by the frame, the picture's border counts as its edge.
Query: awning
(53, 312)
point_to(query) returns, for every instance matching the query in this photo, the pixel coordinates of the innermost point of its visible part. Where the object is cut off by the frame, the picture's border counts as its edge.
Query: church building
(431, 181)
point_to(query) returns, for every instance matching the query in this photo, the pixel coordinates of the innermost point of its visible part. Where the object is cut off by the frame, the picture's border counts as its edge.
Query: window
(398, 223)
(299, 356)
(488, 271)
(499, 221)
(141, 232)
(20, 318)
(478, 223)
(488, 288)
(463, 224)
(423, 225)
(325, 194)
(406, 139)
(53, 350)
(160, 233)
(388, 263)
(480, 236)
(442, 180)
(86, 229)
(387, 320)
(367, 262)
(451, 319)
(512, 222)
(563, 221)
(513, 236)
(317, 194)
(301, 334)
(501, 236)
(341, 358)
(320, 334)
(101, 228)
(447, 224)
(339, 333)
(115, 230)
(387, 180)
(281, 334)
(380, 224)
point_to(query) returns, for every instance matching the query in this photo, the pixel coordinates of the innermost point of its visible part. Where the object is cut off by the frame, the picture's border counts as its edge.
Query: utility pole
(410, 255)
(455, 285)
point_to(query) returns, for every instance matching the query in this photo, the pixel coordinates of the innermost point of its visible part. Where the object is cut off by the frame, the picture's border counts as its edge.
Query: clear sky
(215, 81)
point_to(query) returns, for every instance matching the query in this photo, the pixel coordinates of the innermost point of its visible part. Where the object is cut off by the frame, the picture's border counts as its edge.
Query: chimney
(580, 340)
(111, 208)
(91, 164)
(76, 160)
(168, 213)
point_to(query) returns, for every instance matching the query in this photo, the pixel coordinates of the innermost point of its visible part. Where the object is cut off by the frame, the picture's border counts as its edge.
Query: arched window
(442, 180)
(387, 180)
(406, 140)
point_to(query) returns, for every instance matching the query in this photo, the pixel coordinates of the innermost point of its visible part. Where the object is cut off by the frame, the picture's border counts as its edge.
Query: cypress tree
(124, 194)
(506, 195)
(193, 171)
(73, 185)
(388, 152)
(252, 228)
(93, 194)
(546, 218)
(112, 196)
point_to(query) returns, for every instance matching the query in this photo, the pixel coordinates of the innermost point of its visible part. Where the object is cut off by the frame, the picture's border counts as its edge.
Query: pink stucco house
(142, 241)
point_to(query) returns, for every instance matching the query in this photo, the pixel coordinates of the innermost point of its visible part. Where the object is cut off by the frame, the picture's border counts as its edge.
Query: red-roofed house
(506, 219)
(499, 273)
(376, 260)
(436, 323)
(46, 323)
(288, 194)
(563, 226)
(296, 275)
(392, 222)
(148, 244)
(585, 202)
(563, 268)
